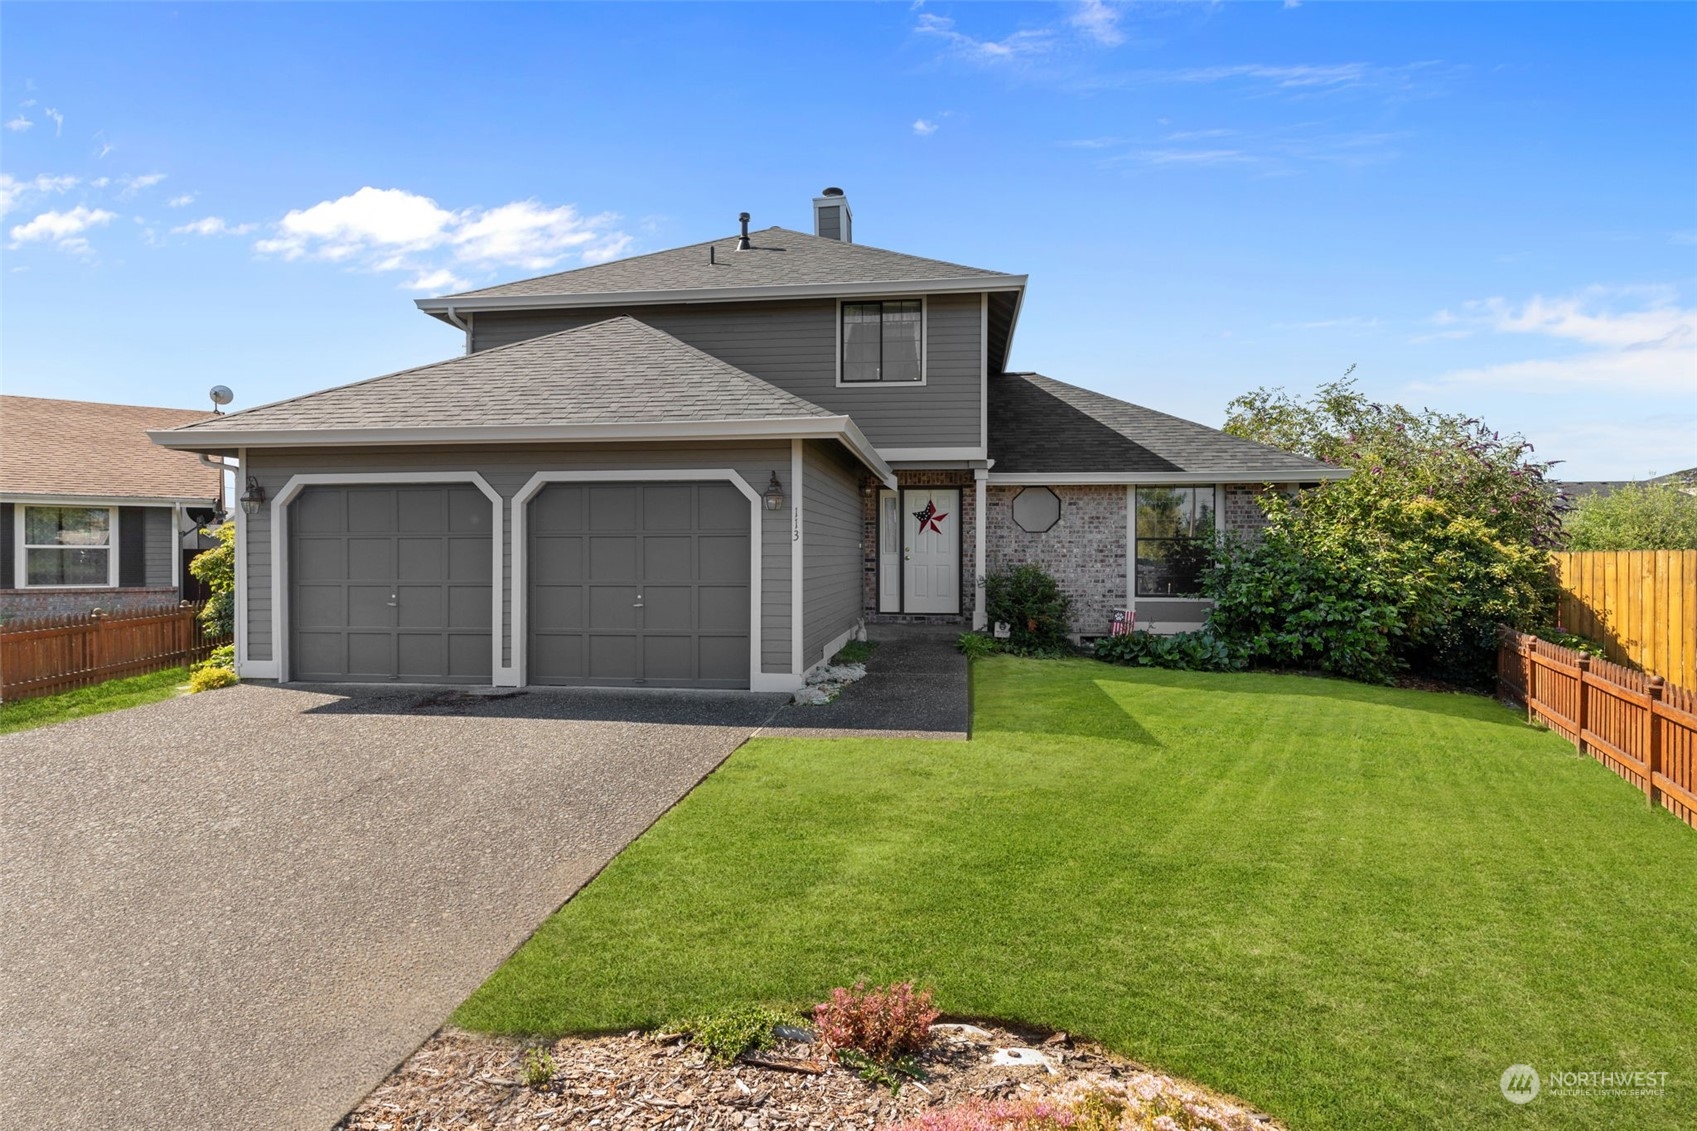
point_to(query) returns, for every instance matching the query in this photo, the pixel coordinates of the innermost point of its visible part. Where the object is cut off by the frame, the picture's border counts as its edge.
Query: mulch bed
(460, 1080)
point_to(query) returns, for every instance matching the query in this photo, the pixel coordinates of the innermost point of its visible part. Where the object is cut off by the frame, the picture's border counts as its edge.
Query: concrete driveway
(242, 909)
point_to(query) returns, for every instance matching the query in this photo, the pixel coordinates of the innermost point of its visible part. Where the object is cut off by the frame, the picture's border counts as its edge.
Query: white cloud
(1018, 45)
(212, 226)
(1651, 346)
(1099, 21)
(18, 124)
(395, 230)
(133, 185)
(182, 201)
(58, 120)
(63, 229)
(12, 189)
(1300, 75)
(439, 281)
(924, 128)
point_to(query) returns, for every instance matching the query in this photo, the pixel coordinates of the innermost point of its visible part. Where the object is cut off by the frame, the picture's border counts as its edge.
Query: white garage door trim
(757, 680)
(280, 541)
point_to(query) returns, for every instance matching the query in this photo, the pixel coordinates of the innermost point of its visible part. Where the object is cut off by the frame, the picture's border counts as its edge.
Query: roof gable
(779, 257)
(83, 449)
(1040, 425)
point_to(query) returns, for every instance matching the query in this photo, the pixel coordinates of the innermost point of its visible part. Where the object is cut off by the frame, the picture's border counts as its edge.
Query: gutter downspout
(460, 324)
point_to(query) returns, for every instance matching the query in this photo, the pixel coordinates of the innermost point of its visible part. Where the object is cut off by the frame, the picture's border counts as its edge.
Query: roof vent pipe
(742, 240)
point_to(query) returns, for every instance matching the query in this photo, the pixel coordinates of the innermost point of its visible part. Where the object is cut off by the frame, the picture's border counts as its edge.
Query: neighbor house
(93, 514)
(709, 467)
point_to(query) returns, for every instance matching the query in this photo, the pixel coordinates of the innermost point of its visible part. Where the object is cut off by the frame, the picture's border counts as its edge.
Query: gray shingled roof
(1038, 424)
(616, 371)
(778, 258)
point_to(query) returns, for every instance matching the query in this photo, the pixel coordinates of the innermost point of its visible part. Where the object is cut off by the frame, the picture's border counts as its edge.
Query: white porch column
(798, 663)
(979, 478)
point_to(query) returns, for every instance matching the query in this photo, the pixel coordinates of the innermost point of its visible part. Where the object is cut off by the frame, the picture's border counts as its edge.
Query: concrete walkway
(916, 686)
(242, 909)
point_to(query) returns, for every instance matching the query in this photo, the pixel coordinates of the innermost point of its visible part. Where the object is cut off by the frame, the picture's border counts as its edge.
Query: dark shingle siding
(1038, 424)
(618, 370)
(779, 257)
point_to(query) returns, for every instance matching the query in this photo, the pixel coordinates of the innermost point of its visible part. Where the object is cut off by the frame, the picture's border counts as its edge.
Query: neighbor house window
(68, 546)
(881, 340)
(1173, 524)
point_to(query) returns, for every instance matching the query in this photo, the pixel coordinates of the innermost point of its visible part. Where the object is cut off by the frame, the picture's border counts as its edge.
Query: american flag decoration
(1121, 622)
(929, 518)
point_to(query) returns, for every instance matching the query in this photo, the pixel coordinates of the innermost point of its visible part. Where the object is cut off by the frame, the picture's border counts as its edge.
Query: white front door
(931, 550)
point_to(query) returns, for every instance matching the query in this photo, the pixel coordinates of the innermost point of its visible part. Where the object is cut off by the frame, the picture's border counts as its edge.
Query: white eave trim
(814, 427)
(463, 303)
(1086, 478)
(28, 500)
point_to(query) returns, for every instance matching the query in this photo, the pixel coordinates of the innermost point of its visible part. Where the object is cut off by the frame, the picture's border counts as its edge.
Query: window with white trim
(1173, 524)
(881, 340)
(67, 547)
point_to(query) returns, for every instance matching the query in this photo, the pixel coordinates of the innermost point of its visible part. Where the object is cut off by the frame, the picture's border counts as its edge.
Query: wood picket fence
(1640, 726)
(47, 655)
(1640, 605)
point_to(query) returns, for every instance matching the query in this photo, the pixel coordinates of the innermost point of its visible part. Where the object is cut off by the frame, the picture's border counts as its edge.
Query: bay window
(67, 547)
(881, 341)
(1173, 525)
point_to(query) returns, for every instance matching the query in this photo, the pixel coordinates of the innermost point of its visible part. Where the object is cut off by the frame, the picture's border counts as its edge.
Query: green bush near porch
(1351, 905)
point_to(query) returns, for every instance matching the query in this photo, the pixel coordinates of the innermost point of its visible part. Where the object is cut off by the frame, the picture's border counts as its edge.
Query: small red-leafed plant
(884, 1023)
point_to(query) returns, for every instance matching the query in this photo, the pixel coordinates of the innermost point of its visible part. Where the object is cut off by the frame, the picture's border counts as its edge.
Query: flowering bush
(885, 1024)
(210, 679)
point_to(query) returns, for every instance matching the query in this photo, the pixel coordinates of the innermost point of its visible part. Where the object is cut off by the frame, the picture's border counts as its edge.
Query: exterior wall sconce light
(773, 496)
(255, 496)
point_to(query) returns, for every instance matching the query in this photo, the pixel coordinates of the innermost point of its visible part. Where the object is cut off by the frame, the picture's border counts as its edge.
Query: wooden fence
(1640, 726)
(1640, 605)
(47, 655)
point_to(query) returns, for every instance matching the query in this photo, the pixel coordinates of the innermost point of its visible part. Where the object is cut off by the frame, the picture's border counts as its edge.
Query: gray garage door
(639, 583)
(390, 583)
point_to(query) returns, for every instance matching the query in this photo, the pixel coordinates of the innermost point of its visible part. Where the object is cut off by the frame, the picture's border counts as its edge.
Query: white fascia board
(441, 306)
(102, 500)
(1163, 478)
(922, 455)
(840, 428)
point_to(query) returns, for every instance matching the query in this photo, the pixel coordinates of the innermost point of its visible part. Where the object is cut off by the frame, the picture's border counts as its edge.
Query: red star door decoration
(929, 518)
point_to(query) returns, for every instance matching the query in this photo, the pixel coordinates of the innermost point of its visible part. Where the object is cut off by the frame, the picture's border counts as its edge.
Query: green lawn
(112, 695)
(1352, 906)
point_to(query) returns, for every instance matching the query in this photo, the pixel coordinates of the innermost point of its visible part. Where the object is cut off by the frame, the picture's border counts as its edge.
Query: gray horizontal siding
(832, 529)
(793, 345)
(508, 469)
(159, 546)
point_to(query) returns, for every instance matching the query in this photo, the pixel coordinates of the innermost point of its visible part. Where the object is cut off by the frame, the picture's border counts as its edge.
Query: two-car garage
(621, 583)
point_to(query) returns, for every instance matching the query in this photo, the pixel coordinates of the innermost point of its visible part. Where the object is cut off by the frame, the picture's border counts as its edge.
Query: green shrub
(216, 569)
(539, 1068)
(1030, 602)
(976, 645)
(1201, 651)
(209, 679)
(1639, 516)
(1569, 640)
(224, 656)
(728, 1033)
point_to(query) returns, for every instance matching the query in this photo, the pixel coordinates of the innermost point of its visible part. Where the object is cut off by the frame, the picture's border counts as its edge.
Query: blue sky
(1489, 208)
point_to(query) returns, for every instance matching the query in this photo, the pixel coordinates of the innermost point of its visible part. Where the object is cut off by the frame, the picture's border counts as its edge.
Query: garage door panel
(371, 558)
(421, 606)
(612, 606)
(668, 559)
(594, 549)
(723, 608)
(469, 559)
(380, 589)
(421, 559)
(469, 607)
(668, 608)
(556, 607)
(613, 657)
(724, 558)
(371, 510)
(612, 558)
(613, 508)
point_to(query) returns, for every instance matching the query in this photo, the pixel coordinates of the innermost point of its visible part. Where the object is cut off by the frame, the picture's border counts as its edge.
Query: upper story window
(881, 340)
(67, 546)
(1172, 549)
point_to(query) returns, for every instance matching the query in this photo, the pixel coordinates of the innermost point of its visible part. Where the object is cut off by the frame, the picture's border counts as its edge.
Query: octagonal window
(1036, 509)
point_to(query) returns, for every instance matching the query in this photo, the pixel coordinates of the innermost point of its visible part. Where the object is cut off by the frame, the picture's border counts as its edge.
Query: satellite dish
(221, 395)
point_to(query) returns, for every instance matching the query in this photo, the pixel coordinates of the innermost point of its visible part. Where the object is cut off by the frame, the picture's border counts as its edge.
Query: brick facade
(1084, 552)
(1240, 503)
(19, 604)
(968, 548)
